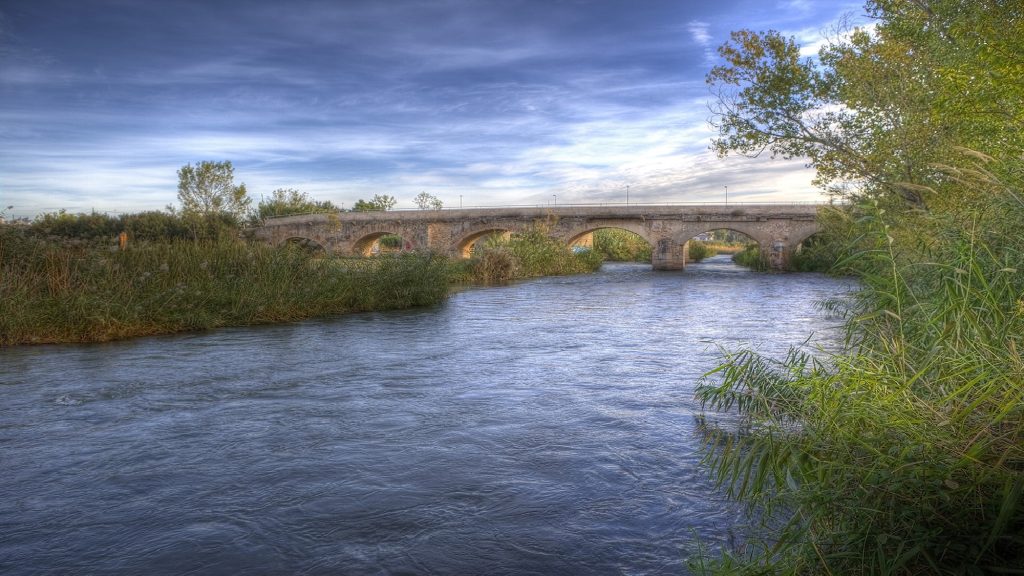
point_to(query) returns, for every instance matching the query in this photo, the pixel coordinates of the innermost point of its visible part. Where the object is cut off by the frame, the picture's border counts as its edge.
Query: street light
(627, 194)
(726, 194)
(460, 201)
(555, 196)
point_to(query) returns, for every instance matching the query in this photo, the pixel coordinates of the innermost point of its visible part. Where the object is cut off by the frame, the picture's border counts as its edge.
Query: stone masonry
(777, 228)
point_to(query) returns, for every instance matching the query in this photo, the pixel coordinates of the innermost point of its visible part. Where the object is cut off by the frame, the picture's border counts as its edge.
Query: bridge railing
(582, 205)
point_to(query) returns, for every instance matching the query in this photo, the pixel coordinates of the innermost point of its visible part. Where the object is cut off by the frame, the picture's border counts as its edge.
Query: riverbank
(59, 291)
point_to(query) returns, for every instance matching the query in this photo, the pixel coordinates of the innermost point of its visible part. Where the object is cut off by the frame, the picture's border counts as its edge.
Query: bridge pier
(777, 253)
(668, 254)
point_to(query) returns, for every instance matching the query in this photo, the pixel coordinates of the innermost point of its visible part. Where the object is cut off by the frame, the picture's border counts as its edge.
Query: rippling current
(541, 428)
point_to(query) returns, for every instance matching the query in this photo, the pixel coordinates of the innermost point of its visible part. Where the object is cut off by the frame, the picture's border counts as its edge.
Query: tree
(287, 201)
(379, 202)
(208, 188)
(428, 201)
(884, 108)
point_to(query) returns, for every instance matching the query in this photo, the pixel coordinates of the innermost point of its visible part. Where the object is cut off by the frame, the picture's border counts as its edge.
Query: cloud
(345, 100)
(700, 34)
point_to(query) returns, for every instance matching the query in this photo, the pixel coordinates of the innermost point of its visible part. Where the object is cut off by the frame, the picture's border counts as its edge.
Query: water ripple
(541, 428)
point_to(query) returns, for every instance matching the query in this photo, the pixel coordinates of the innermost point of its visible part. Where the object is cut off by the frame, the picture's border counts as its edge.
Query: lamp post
(555, 201)
(627, 194)
(460, 201)
(726, 194)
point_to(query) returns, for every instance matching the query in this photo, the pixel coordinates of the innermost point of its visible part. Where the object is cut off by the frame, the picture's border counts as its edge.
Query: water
(542, 428)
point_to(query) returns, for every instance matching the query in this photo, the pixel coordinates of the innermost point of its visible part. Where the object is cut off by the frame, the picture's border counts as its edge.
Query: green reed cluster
(751, 257)
(618, 245)
(528, 255)
(904, 454)
(59, 292)
(698, 250)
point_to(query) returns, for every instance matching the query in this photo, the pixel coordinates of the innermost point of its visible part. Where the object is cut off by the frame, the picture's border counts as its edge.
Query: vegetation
(143, 226)
(904, 454)
(618, 245)
(698, 250)
(751, 257)
(528, 255)
(289, 201)
(379, 202)
(426, 201)
(209, 188)
(56, 293)
(63, 278)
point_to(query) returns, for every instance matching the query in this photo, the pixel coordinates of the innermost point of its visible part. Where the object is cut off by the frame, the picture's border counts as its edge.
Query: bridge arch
(365, 244)
(615, 242)
(751, 232)
(464, 246)
(576, 234)
(305, 243)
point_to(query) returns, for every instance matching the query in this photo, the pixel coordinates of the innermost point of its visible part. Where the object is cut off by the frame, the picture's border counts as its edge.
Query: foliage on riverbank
(904, 454)
(618, 245)
(62, 279)
(751, 257)
(56, 292)
(528, 255)
(698, 250)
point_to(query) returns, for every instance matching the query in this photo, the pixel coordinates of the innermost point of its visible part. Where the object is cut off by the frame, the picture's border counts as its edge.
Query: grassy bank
(63, 280)
(60, 292)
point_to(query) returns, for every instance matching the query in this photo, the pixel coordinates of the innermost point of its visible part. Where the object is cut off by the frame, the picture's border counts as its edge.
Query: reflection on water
(545, 427)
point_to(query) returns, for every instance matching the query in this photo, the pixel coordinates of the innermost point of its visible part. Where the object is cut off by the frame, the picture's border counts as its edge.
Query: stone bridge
(777, 228)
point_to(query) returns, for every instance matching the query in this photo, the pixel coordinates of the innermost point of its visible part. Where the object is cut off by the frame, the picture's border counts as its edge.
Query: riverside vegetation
(62, 279)
(617, 245)
(904, 453)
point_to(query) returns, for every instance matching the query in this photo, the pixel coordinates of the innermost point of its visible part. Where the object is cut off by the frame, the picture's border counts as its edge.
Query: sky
(477, 102)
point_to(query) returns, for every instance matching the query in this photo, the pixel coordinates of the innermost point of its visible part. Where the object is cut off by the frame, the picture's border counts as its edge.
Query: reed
(751, 257)
(698, 250)
(528, 255)
(55, 292)
(903, 454)
(618, 245)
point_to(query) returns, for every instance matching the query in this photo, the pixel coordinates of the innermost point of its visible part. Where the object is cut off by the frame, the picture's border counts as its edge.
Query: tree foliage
(209, 188)
(425, 201)
(288, 201)
(882, 107)
(904, 454)
(379, 202)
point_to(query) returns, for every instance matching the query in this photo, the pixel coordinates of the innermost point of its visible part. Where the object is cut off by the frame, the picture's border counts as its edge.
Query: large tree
(208, 188)
(885, 107)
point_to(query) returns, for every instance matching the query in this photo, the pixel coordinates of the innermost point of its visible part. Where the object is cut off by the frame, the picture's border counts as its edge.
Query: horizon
(496, 104)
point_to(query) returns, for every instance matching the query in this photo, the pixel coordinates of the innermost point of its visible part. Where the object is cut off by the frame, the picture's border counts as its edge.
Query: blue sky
(496, 101)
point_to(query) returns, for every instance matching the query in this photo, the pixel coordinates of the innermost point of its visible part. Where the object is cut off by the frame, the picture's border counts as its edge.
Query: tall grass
(698, 250)
(59, 293)
(618, 245)
(905, 453)
(528, 255)
(751, 257)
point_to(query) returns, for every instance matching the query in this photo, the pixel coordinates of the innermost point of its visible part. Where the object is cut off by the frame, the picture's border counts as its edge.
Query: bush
(528, 255)
(621, 246)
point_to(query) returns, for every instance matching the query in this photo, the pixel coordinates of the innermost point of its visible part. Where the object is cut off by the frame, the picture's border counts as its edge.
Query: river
(541, 428)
